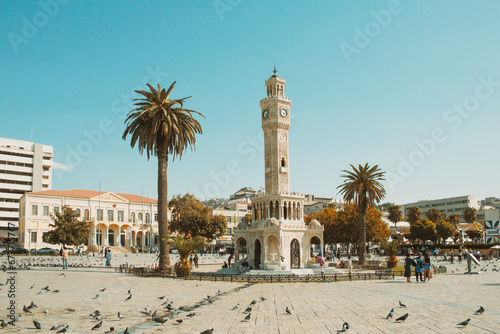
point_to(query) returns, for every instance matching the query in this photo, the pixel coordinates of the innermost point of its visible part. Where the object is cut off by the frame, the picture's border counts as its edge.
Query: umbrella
(495, 247)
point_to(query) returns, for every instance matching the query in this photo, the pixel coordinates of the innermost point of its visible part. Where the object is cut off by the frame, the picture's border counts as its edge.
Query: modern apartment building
(116, 219)
(24, 166)
(451, 205)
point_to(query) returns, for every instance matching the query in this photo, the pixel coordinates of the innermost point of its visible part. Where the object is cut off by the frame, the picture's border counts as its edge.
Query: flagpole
(98, 220)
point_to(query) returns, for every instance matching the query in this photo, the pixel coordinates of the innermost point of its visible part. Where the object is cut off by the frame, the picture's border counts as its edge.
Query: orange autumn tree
(341, 225)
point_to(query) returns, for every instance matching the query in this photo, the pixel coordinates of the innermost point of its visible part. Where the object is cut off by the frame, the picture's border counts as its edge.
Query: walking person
(349, 264)
(409, 262)
(196, 261)
(65, 254)
(108, 258)
(427, 268)
(419, 267)
(321, 262)
(452, 255)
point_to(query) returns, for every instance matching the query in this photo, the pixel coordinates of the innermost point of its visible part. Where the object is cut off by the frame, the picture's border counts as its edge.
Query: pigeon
(46, 311)
(179, 321)
(391, 314)
(111, 329)
(153, 316)
(97, 326)
(120, 316)
(26, 310)
(464, 323)
(55, 327)
(56, 291)
(32, 305)
(160, 298)
(262, 298)
(128, 298)
(161, 320)
(237, 306)
(208, 331)
(248, 310)
(287, 310)
(247, 317)
(480, 311)
(345, 326)
(401, 304)
(169, 306)
(126, 331)
(190, 315)
(64, 330)
(253, 302)
(96, 296)
(402, 318)
(129, 292)
(37, 324)
(31, 287)
(102, 290)
(70, 310)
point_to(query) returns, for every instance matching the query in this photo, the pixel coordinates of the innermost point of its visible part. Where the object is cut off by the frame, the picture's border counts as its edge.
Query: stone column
(106, 240)
(119, 236)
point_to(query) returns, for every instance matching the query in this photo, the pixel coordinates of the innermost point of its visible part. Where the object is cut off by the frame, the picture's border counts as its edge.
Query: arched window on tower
(283, 162)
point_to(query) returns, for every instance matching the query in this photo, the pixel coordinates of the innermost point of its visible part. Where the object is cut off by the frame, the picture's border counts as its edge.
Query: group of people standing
(423, 268)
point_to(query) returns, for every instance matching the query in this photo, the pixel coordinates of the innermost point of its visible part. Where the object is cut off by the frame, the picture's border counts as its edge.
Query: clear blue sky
(362, 90)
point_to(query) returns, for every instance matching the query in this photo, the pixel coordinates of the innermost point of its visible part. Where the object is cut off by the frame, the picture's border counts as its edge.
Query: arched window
(78, 212)
(268, 163)
(132, 215)
(86, 215)
(148, 219)
(283, 162)
(139, 216)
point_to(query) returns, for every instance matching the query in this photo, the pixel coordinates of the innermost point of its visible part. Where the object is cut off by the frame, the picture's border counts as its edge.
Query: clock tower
(275, 114)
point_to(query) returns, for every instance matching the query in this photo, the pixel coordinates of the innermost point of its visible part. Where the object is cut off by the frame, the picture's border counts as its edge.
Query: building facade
(452, 205)
(277, 238)
(116, 219)
(24, 167)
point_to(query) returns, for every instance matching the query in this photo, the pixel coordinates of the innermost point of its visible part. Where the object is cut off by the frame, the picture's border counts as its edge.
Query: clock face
(283, 113)
(265, 113)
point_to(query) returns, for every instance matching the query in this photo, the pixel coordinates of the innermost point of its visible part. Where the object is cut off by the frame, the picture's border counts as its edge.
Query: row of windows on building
(100, 214)
(443, 204)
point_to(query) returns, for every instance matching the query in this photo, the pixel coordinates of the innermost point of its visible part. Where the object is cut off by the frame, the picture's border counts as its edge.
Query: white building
(317, 204)
(117, 219)
(452, 205)
(235, 213)
(24, 166)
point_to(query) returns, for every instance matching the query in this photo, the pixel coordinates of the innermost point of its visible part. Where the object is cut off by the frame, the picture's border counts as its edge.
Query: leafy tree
(342, 226)
(470, 215)
(391, 248)
(162, 127)
(395, 214)
(423, 229)
(454, 219)
(434, 215)
(191, 217)
(444, 230)
(414, 214)
(362, 186)
(67, 229)
(185, 246)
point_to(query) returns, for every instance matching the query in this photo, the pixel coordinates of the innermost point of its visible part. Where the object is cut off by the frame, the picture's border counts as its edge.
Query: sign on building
(492, 229)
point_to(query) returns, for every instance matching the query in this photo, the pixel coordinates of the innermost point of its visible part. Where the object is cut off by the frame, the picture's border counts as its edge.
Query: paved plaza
(435, 307)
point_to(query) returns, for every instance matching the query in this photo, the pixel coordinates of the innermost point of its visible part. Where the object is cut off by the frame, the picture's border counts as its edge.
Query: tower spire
(274, 71)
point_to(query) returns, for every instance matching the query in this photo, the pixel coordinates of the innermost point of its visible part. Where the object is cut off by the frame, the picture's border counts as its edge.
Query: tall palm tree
(454, 219)
(395, 214)
(162, 127)
(414, 214)
(469, 215)
(434, 215)
(362, 186)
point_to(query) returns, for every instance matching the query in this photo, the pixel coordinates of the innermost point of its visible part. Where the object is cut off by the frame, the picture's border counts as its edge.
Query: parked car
(18, 250)
(46, 251)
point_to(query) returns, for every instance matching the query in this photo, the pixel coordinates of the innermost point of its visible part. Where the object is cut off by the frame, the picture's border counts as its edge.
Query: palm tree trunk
(163, 230)
(362, 232)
